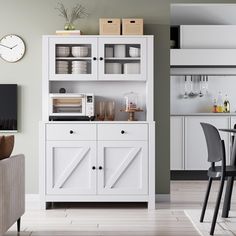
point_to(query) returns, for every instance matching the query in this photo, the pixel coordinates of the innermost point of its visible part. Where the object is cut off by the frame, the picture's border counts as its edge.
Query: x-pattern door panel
(124, 167)
(69, 167)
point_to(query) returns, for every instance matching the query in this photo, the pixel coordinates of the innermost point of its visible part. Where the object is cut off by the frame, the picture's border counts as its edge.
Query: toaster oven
(71, 106)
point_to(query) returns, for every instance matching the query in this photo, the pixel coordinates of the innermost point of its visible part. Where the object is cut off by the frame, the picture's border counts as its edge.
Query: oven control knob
(71, 131)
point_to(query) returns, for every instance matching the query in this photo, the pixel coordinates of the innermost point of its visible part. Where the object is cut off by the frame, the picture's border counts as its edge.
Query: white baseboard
(162, 198)
(32, 202)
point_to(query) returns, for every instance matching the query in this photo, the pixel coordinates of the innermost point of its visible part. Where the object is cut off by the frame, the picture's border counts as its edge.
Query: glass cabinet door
(122, 58)
(73, 58)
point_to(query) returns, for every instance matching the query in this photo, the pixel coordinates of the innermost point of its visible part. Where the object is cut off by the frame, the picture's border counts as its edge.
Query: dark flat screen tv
(8, 107)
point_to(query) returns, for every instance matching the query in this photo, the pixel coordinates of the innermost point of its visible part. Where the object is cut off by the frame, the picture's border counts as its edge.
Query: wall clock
(12, 48)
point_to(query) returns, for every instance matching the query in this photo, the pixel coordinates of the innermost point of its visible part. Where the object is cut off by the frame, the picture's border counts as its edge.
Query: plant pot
(69, 26)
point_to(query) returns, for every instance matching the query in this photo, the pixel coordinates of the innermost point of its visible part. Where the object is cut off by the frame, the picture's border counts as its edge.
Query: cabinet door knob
(100, 167)
(94, 58)
(122, 131)
(94, 168)
(101, 58)
(71, 131)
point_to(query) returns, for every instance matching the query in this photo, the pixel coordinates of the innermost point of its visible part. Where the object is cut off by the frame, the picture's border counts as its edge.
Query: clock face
(12, 48)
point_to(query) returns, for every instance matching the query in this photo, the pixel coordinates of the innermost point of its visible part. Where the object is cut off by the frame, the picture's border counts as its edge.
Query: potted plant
(77, 12)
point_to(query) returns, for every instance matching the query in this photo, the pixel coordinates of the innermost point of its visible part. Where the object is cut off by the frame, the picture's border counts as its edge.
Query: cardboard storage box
(132, 26)
(109, 26)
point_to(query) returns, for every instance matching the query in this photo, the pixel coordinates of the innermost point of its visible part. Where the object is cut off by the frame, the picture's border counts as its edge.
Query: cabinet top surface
(97, 122)
(205, 114)
(98, 36)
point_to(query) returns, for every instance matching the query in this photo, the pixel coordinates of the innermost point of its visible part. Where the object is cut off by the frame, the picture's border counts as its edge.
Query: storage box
(109, 26)
(132, 26)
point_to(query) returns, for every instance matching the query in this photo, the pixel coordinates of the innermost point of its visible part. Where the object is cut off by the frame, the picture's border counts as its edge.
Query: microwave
(71, 106)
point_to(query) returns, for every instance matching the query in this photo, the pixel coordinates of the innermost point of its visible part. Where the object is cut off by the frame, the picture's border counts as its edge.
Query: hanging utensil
(206, 85)
(185, 87)
(200, 86)
(191, 94)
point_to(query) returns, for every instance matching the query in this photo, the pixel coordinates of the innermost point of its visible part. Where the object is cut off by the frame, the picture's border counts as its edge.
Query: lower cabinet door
(122, 167)
(195, 142)
(70, 167)
(177, 143)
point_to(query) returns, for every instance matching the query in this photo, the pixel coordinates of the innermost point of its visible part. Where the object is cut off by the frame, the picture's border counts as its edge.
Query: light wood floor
(167, 220)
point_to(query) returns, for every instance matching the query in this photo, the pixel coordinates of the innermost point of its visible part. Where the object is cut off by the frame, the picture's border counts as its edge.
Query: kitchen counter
(205, 114)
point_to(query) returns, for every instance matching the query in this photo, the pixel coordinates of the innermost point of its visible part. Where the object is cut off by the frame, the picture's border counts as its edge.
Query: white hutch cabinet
(98, 161)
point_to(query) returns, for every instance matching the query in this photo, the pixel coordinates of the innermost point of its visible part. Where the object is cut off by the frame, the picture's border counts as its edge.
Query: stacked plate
(134, 52)
(62, 67)
(80, 51)
(79, 67)
(62, 51)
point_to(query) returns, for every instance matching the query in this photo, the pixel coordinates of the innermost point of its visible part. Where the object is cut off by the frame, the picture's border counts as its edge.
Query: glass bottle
(220, 103)
(226, 104)
(214, 108)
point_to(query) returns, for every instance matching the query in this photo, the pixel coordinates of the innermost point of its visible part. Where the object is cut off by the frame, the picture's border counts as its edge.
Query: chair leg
(213, 224)
(206, 199)
(228, 195)
(18, 225)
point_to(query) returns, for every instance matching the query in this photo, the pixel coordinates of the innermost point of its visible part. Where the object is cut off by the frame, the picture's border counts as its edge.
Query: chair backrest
(215, 146)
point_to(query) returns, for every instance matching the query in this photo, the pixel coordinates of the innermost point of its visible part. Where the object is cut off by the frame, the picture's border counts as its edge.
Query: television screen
(8, 107)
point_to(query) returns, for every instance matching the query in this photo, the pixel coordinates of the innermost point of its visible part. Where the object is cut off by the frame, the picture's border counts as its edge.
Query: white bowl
(134, 53)
(79, 62)
(80, 51)
(62, 51)
(80, 54)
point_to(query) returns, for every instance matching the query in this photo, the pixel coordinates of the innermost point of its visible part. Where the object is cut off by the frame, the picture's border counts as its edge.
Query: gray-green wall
(33, 18)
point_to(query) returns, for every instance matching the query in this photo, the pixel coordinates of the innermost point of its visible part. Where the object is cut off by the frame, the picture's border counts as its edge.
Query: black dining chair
(216, 153)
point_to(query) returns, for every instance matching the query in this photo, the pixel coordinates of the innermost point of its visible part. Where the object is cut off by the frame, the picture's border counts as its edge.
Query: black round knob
(100, 167)
(122, 131)
(71, 131)
(62, 90)
(94, 58)
(94, 168)
(101, 58)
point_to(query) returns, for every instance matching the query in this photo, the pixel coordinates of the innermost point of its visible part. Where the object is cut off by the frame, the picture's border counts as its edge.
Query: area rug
(224, 226)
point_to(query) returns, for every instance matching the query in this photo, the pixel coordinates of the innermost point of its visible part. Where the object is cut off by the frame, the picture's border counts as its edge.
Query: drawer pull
(71, 131)
(122, 131)
(94, 168)
(100, 167)
(94, 58)
(101, 58)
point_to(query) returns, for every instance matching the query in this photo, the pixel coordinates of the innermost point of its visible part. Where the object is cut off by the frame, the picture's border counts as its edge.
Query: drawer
(122, 132)
(71, 132)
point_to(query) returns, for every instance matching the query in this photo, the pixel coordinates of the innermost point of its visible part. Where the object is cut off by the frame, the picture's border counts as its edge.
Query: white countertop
(205, 114)
(97, 122)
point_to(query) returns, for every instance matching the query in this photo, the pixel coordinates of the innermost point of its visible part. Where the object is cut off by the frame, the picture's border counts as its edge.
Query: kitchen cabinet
(195, 143)
(123, 167)
(97, 161)
(177, 143)
(70, 167)
(188, 145)
(107, 56)
(54, 58)
(207, 36)
(233, 122)
(131, 67)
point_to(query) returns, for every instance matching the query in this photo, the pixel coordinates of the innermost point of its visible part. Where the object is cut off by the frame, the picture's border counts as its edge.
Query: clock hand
(4, 46)
(14, 46)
